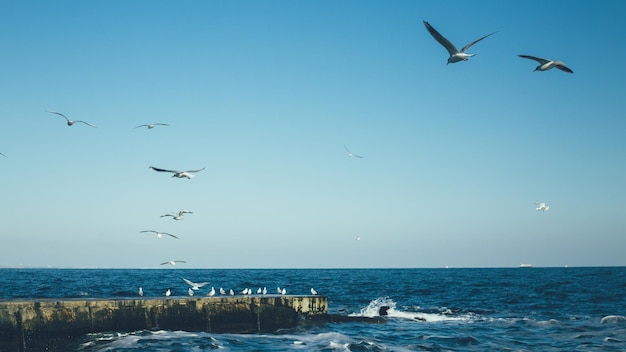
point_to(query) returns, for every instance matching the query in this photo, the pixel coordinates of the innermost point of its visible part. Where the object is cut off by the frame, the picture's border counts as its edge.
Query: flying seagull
(151, 125)
(455, 54)
(545, 65)
(179, 174)
(179, 215)
(194, 285)
(70, 122)
(173, 262)
(159, 234)
(350, 153)
(542, 206)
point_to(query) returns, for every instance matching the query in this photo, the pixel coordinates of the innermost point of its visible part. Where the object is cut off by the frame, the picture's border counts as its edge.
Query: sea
(447, 309)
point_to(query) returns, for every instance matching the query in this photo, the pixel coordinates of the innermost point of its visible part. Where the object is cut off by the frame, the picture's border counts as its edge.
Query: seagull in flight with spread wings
(350, 153)
(180, 174)
(179, 215)
(152, 125)
(71, 122)
(545, 64)
(455, 54)
(159, 234)
(194, 285)
(173, 262)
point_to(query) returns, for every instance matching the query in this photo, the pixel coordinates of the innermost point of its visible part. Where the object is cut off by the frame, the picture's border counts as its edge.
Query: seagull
(350, 153)
(259, 291)
(190, 291)
(179, 174)
(358, 238)
(222, 291)
(283, 291)
(179, 215)
(140, 292)
(542, 206)
(212, 292)
(231, 292)
(173, 262)
(313, 292)
(168, 293)
(455, 54)
(245, 291)
(159, 234)
(264, 290)
(545, 65)
(151, 125)
(195, 286)
(70, 122)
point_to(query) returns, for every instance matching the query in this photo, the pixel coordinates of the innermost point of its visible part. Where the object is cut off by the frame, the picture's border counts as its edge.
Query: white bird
(168, 293)
(259, 291)
(542, 206)
(140, 292)
(194, 285)
(231, 292)
(190, 291)
(350, 153)
(264, 290)
(180, 174)
(151, 125)
(179, 215)
(70, 122)
(212, 292)
(313, 292)
(545, 65)
(173, 262)
(278, 290)
(245, 291)
(358, 238)
(455, 54)
(283, 291)
(158, 234)
(222, 291)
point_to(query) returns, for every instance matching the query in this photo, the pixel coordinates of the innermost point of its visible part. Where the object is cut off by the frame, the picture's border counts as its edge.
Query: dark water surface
(513, 309)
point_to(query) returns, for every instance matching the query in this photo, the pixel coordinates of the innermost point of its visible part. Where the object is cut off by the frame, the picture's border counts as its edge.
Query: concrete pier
(44, 325)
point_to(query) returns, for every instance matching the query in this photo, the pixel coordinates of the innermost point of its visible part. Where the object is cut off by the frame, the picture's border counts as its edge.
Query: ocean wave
(613, 319)
(387, 307)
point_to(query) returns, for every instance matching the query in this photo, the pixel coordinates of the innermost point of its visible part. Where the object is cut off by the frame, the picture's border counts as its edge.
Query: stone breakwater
(36, 325)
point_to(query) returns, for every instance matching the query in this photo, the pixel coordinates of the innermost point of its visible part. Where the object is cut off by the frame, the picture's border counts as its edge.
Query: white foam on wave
(613, 319)
(373, 310)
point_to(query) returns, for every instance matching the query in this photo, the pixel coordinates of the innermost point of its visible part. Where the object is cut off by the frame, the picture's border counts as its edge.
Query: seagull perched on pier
(180, 174)
(179, 215)
(159, 234)
(70, 122)
(455, 54)
(151, 125)
(212, 292)
(173, 262)
(222, 291)
(313, 292)
(350, 153)
(141, 292)
(542, 206)
(168, 293)
(545, 64)
(231, 292)
(194, 285)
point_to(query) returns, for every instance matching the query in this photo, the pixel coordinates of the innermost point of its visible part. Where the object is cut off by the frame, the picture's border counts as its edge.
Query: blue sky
(264, 94)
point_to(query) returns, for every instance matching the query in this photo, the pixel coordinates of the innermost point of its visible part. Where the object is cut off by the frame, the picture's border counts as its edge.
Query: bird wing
(164, 263)
(538, 59)
(561, 66)
(162, 170)
(86, 123)
(164, 215)
(358, 156)
(58, 113)
(474, 42)
(442, 40)
(161, 124)
(141, 126)
(148, 231)
(3, 155)
(202, 284)
(190, 283)
(169, 234)
(348, 150)
(196, 170)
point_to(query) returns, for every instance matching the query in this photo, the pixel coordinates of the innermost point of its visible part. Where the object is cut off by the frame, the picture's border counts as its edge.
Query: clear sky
(265, 94)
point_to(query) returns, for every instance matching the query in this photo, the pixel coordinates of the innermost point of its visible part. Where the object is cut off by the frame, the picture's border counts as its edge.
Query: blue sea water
(508, 309)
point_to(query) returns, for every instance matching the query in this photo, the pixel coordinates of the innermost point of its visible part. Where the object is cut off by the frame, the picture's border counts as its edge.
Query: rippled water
(534, 309)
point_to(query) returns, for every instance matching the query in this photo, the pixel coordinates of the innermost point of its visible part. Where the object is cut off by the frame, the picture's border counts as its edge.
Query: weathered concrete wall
(45, 324)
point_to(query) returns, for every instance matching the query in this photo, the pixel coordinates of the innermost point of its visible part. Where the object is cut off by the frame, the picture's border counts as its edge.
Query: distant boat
(525, 265)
